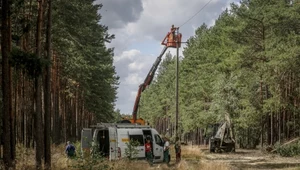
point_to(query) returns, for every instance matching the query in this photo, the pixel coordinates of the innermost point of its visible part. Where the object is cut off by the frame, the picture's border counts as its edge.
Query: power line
(196, 13)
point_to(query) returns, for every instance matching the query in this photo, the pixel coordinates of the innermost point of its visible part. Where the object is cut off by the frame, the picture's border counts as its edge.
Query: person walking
(148, 149)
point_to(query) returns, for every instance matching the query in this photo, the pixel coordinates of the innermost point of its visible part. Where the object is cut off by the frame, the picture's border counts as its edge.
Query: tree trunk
(261, 118)
(6, 85)
(23, 127)
(12, 112)
(47, 139)
(38, 89)
(272, 128)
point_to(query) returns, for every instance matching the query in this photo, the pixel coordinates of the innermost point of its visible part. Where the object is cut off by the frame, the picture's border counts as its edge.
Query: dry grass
(193, 152)
(200, 165)
(192, 159)
(25, 158)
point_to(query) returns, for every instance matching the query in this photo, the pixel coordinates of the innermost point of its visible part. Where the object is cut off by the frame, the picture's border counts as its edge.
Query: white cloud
(127, 55)
(136, 66)
(133, 79)
(144, 21)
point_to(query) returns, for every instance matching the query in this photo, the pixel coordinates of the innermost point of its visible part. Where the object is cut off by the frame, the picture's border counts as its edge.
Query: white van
(111, 138)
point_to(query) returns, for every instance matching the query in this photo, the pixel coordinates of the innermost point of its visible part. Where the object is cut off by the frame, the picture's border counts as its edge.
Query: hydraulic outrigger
(171, 40)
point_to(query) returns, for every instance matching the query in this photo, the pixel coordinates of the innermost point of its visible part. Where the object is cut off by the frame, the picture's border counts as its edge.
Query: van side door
(158, 146)
(112, 131)
(137, 135)
(86, 140)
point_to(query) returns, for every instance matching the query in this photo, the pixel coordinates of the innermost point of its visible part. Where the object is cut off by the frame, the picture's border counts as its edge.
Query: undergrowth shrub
(289, 150)
(93, 161)
(131, 150)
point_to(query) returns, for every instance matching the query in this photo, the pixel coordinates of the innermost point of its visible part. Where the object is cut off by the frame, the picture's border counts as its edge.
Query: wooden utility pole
(177, 85)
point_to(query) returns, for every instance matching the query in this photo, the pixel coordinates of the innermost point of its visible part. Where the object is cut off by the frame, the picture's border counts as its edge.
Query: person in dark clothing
(70, 150)
(177, 150)
(148, 150)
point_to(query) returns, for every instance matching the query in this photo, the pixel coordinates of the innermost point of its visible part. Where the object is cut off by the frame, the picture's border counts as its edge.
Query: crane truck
(110, 139)
(171, 40)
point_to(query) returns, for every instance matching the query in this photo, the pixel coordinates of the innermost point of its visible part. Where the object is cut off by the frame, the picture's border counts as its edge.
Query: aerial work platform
(173, 38)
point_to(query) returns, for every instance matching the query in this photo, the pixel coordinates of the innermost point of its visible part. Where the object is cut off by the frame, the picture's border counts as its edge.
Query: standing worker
(70, 150)
(177, 150)
(166, 150)
(173, 30)
(148, 150)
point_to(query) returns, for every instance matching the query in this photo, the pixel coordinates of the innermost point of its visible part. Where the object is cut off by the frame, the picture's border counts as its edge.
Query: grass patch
(191, 160)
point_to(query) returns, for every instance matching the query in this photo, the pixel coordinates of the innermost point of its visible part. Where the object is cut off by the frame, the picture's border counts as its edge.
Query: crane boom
(147, 82)
(171, 40)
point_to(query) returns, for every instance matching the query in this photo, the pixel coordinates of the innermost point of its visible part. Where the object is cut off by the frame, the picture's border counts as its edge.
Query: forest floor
(193, 158)
(199, 158)
(252, 159)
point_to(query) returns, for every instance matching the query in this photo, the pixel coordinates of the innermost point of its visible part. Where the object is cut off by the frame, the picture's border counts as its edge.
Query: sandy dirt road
(199, 158)
(252, 159)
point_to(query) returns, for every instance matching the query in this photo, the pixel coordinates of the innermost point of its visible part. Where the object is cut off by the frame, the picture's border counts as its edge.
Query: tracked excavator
(221, 136)
(171, 40)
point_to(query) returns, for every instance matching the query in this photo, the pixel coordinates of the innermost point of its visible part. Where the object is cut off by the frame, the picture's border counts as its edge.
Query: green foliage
(79, 39)
(32, 64)
(94, 161)
(288, 150)
(131, 150)
(117, 115)
(246, 65)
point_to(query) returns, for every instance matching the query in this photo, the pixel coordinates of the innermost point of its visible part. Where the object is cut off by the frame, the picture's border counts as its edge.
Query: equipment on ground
(221, 136)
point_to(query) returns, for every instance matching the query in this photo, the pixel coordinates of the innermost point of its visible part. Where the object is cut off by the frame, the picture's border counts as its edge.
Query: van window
(139, 138)
(158, 140)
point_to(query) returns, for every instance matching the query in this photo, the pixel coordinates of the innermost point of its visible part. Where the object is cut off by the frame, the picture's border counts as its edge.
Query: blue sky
(140, 26)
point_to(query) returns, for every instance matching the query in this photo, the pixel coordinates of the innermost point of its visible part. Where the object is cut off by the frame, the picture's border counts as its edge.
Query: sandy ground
(196, 158)
(252, 159)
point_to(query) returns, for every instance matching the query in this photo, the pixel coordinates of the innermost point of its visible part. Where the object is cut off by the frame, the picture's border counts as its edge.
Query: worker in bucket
(173, 31)
(70, 150)
(148, 149)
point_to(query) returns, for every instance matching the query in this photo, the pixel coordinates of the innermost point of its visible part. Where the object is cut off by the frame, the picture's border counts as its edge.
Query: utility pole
(177, 77)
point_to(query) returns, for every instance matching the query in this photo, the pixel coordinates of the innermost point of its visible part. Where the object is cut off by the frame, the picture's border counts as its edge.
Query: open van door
(86, 140)
(113, 143)
(137, 135)
(158, 147)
